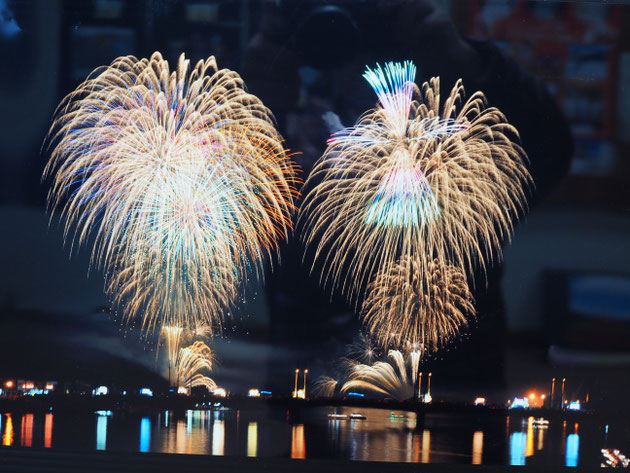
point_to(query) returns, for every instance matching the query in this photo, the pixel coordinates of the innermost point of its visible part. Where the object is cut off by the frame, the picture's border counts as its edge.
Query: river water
(382, 436)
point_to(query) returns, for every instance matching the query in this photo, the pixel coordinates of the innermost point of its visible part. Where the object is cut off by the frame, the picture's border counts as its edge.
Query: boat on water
(540, 422)
(357, 416)
(338, 416)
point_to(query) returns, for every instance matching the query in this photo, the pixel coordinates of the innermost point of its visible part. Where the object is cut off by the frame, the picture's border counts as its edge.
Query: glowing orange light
(9, 384)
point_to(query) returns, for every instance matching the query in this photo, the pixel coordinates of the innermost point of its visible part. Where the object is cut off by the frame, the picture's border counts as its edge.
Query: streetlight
(563, 380)
(296, 379)
(429, 385)
(305, 373)
(553, 386)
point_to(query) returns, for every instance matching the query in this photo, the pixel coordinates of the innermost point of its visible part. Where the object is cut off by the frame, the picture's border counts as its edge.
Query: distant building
(34, 388)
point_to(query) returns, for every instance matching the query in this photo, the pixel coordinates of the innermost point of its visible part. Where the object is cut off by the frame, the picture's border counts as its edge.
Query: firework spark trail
(193, 362)
(394, 378)
(405, 305)
(172, 337)
(325, 386)
(182, 178)
(418, 178)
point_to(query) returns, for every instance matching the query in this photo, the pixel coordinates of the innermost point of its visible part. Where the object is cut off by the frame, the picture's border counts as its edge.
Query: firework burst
(394, 378)
(193, 364)
(182, 178)
(437, 182)
(424, 309)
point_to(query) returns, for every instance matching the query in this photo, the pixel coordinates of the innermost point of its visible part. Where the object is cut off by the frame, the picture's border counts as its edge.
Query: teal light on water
(518, 442)
(572, 450)
(101, 432)
(145, 434)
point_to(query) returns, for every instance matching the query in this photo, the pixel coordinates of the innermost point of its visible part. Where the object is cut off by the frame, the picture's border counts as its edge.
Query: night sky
(55, 320)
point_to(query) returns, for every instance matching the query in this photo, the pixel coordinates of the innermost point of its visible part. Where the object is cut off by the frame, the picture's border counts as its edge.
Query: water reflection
(145, 434)
(529, 447)
(48, 426)
(477, 448)
(518, 442)
(426, 446)
(218, 437)
(541, 437)
(7, 437)
(101, 432)
(26, 432)
(298, 446)
(572, 450)
(252, 439)
(378, 436)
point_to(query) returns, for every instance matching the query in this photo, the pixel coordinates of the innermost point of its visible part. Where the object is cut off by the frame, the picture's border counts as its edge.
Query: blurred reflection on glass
(218, 437)
(165, 418)
(572, 450)
(101, 432)
(426, 446)
(298, 446)
(7, 438)
(252, 439)
(145, 434)
(529, 447)
(48, 425)
(477, 449)
(518, 441)
(26, 432)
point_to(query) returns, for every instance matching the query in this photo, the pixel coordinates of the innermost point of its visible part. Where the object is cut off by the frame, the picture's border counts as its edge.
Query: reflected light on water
(529, 447)
(101, 432)
(145, 434)
(426, 446)
(252, 439)
(182, 444)
(572, 450)
(26, 432)
(218, 437)
(477, 448)
(518, 441)
(541, 438)
(7, 437)
(298, 446)
(48, 426)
